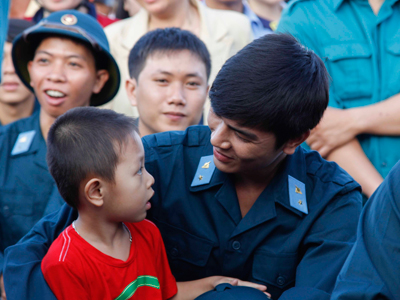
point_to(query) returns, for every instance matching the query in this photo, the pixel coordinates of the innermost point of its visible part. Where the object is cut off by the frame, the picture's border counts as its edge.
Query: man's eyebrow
(249, 135)
(69, 56)
(196, 74)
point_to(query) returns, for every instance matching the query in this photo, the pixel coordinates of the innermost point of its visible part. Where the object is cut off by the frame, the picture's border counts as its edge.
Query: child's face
(56, 5)
(170, 92)
(127, 199)
(12, 90)
(63, 75)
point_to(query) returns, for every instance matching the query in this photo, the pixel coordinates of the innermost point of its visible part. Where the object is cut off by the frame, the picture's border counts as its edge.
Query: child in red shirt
(110, 252)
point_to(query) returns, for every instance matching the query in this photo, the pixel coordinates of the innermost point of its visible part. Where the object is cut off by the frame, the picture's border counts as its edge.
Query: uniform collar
(278, 189)
(336, 3)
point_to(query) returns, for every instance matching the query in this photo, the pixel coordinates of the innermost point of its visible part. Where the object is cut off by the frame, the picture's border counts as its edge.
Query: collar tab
(205, 171)
(23, 142)
(297, 194)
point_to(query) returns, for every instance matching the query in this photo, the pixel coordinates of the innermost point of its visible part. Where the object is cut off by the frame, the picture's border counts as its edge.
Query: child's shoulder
(61, 250)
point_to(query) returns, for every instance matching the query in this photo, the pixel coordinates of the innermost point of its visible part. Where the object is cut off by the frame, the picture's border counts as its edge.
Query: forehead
(132, 147)
(64, 46)
(180, 61)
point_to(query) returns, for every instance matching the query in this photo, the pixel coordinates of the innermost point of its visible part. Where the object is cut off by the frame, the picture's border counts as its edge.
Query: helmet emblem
(69, 19)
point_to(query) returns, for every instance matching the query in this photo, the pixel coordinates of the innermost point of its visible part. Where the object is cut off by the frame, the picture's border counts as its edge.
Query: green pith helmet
(78, 26)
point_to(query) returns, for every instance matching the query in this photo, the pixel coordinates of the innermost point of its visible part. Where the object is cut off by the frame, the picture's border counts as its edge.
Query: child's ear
(130, 87)
(291, 145)
(93, 192)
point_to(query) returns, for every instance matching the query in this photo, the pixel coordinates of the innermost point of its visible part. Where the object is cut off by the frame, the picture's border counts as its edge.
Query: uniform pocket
(351, 69)
(277, 272)
(16, 215)
(186, 252)
(392, 66)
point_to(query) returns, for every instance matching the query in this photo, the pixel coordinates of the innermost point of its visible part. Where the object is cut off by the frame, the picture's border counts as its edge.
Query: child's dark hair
(167, 41)
(85, 140)
(273, 84)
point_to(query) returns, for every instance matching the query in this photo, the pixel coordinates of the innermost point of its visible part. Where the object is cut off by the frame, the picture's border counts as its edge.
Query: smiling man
(65, 61)
(240, 198)
(169, 70)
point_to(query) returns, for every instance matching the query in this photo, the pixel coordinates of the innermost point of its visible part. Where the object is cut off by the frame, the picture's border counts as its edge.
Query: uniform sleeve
(326, 248)
(65, 280)
(165, 277)
(23, 278)
(372, 269)
(298, 22)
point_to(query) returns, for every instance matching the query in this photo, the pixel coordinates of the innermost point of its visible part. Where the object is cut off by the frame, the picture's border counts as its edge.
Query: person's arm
(352, 158)
(340, 126)
(326, 246)
(190, 290)
(23, 278)
(371, 270)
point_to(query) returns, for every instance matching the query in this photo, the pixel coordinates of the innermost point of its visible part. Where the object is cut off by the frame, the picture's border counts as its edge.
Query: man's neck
(45, 123)
(12, 112)
(232, 5)
(376, 5)
(270, 12)
(184, 16)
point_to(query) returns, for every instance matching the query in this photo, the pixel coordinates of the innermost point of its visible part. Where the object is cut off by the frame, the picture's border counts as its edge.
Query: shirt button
(281, 280)
(174, 252)
(6, 211)
(383, 164)
(236, 245)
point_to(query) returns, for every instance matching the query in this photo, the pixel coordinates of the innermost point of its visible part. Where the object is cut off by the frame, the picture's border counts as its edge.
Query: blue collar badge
(205, 171)
(23, 142)
(297, 195)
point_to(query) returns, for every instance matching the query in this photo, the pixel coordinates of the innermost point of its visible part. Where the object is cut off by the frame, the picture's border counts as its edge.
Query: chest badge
(204, 172)
(23, 142)
(297, 195)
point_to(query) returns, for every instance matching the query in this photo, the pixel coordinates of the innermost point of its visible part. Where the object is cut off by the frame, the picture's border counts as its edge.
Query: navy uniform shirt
(372, 269)
(26, 185)
(297, 254)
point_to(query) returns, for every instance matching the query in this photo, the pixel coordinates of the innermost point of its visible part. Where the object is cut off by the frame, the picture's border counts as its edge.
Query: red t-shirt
(74, 269)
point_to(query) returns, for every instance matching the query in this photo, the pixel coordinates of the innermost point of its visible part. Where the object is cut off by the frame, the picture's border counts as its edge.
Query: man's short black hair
(273, 84)
(83, 141)
(167, 41)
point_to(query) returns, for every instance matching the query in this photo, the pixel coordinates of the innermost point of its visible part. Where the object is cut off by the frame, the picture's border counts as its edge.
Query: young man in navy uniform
(65, 61)
(240, 198)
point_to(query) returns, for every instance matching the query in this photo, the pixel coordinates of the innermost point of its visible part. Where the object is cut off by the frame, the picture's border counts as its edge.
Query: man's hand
(336, 128)
(237, 282)
(3, 291)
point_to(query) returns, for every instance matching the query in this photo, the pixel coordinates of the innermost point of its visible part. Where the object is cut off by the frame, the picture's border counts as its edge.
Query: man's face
(12, 90)
(63, 75)
(170, 92)
(56, 5)
(241, 150)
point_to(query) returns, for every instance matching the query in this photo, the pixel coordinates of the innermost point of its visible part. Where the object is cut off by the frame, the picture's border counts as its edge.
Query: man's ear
(93, 192)
(291, 145)
(130, 87)
(101, 79)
